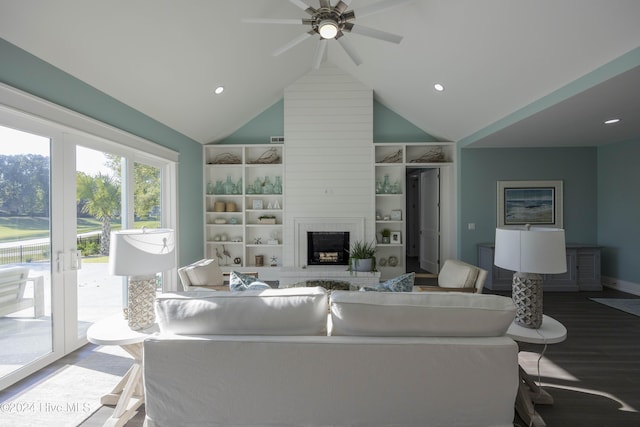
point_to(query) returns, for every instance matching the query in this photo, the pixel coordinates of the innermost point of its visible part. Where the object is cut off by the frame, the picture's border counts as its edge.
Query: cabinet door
(588, 269)
(498, 278)
(565, 281)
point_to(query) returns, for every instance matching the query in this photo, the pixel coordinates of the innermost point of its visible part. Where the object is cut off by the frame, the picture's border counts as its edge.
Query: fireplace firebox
(327, 247)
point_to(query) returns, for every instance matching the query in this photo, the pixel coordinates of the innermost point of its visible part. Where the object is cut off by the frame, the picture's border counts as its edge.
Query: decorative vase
(386, 186)
(257, 186)
(277, 187)
(268, 186)
(228, 186)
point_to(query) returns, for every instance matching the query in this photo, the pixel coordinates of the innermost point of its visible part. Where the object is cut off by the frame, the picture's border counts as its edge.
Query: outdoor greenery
(24, 185)
(24, 199)
(99, 197)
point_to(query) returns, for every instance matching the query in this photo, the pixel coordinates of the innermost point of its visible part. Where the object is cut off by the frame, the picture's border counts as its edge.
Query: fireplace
(327, 247)
(353, 226)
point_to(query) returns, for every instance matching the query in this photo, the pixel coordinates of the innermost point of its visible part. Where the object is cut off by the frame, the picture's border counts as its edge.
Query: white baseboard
(621, 285)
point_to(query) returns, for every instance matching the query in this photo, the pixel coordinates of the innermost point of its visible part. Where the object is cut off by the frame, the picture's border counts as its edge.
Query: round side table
(128, 394)
(550, 332)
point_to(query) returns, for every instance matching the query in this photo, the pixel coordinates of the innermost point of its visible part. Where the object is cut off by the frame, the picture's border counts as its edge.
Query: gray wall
(480, 169)
(619, 210)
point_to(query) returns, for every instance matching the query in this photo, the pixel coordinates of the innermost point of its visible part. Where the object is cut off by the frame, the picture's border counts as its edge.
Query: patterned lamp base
(142, 293)
(527, 296)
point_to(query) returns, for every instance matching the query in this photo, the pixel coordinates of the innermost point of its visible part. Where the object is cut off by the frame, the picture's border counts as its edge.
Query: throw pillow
(403, 283)
(244, 282)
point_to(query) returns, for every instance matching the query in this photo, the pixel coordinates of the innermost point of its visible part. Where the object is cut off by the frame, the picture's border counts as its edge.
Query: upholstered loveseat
(304, 357)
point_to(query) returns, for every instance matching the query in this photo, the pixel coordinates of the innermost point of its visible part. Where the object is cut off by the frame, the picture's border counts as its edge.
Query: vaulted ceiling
(515, 72)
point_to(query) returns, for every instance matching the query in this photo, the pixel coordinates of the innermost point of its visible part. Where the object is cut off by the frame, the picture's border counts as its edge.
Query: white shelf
(243, 174)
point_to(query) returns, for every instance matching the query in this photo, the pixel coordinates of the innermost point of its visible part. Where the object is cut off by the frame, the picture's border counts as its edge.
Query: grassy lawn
(22, 228)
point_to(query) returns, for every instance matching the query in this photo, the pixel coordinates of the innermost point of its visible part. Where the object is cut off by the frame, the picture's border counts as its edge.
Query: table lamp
(530, 252)
(141, 254)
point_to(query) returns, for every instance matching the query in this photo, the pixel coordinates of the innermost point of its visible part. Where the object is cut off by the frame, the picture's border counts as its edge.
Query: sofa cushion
(402, 283)
(205, 273)
(291, 311)
(420, 314)
(457, 274)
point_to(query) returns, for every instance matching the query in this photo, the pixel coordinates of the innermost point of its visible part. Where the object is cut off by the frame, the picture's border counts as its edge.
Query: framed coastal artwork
(538, 203)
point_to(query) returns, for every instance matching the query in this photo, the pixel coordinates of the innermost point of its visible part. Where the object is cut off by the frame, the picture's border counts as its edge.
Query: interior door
(430, 220)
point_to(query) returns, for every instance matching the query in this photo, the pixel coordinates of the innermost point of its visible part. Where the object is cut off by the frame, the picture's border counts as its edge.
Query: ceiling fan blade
(341, 6)
(326, 4)
(292, 43)
(372, 32)
(346, 45)
(379, 7)
(271, 21)
(317, 59)
(302, 5)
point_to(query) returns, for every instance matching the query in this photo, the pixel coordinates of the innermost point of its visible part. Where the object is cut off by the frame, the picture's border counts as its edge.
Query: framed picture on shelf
(529, 202)
(257, 204)
(396, 237)
(396, 215)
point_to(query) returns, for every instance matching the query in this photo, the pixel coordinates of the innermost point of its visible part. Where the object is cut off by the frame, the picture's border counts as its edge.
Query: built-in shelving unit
(243, 205)
(391, 163)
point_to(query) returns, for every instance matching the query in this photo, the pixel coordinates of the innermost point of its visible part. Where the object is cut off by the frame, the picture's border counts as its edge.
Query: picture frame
(257, 204)
(396, 237)
(396, 215)
(538, 203)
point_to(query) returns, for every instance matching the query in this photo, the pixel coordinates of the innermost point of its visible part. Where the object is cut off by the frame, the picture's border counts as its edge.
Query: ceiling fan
(331, 22)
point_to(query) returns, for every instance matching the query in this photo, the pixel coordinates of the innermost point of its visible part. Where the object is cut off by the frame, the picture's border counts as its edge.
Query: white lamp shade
(141, 252)
(537, 250)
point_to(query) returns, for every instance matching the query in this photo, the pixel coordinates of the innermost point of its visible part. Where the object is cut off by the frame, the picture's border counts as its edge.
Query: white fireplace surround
(355, 227)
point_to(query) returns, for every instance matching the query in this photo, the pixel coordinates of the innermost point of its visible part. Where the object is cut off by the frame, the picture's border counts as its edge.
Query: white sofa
(280, 357)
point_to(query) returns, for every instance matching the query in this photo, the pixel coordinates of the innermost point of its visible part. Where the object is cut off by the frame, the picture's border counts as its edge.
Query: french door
(61, 191)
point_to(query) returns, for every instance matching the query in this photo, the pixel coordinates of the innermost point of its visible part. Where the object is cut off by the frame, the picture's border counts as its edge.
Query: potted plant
(361, 256)
(386, 235)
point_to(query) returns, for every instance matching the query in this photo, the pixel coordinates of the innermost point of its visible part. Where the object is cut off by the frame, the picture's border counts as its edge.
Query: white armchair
(205, 272)
(458, 276)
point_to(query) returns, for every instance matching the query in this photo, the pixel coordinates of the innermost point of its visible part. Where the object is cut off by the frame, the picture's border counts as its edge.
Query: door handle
(76, 259)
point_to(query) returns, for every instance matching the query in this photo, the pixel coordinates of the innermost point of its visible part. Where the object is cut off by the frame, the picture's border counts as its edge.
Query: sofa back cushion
(420, 314)
(291, 311)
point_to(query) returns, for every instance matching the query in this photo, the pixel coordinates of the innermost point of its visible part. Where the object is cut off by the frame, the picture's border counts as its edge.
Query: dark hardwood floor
(593, 376)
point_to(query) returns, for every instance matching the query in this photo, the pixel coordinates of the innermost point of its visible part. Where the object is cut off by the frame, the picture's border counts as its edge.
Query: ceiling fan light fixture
(328, 29)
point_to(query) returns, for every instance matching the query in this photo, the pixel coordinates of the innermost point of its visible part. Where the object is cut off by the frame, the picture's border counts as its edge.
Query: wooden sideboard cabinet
(583, 270)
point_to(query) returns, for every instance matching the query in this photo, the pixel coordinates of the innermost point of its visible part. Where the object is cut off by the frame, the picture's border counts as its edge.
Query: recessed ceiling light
(219, 90)
(611, 121)
(439, 87)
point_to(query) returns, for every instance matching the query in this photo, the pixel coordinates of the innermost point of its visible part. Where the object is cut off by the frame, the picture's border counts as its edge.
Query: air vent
(277, 139)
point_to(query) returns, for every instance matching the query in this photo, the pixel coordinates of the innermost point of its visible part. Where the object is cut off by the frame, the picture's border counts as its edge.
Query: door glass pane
(146, 196)
(25, 250)
(146, 200)
(98, 212)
